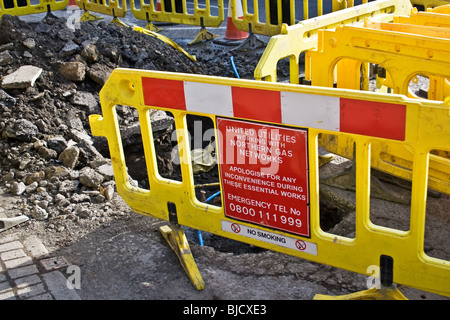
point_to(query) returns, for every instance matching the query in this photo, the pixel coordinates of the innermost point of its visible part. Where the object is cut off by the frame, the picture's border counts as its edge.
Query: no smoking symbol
(235, 228)
(301, 245)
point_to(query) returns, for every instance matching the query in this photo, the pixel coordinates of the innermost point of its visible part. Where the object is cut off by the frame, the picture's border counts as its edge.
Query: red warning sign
(264, 174)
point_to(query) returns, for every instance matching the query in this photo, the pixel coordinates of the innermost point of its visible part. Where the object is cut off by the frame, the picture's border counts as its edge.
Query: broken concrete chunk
(5, 58)
(57, 143)
(67, 186)
(80, 136)
(30, 43)
(90, 53)
(17, 188)
(106, 170)
(8, 177)
(74, 121)
(65, 34)
(108, 192)
(84, 99)
(58, 172)
(23, 130)
(99, 73)
(69, 48)
(22, 78)
(90, 178)
(160, 120)
(47, 153)
(35, 177)
(73, 71)
(39, 213)
(6, 99)
(7, 46)
(69, 156)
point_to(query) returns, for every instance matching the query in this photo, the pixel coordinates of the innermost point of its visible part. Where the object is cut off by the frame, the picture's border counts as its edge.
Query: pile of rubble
(50, 77)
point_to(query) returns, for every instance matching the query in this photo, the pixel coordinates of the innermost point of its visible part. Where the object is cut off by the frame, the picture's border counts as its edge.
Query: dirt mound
(52, 169)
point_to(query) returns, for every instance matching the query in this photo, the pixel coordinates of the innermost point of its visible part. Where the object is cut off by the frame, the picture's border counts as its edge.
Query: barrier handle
(97, 125)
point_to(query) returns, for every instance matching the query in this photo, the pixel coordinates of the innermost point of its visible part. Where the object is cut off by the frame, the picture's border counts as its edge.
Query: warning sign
(264, 174)
(277, 239)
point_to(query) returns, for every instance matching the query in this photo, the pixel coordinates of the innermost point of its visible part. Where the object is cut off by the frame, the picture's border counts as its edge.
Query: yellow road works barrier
(434, 18)
(429, 4)
(296, 39)
(403, 56)
(441, 9)
(24, 7)
(279, 12)
(429, 31)
(115, 8)
(265, 136)
(276, 13)
(425, 19)
(438, 87)
(400, 40)
(416, 54)
(182, 12)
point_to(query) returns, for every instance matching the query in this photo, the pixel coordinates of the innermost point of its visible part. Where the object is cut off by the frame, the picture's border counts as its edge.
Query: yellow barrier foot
(150, 26)
(116, 20)
(87, 16)
(176, 238)
(203, 35)
(324, 156)
(324, 159)
(384, 293)
(251, 43)
(50, 16)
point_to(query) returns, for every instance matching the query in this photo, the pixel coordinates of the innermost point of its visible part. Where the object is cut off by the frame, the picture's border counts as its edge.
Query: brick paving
(29, 272)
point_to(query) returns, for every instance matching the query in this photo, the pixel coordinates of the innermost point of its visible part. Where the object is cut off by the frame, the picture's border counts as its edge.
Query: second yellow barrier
(296, 39)
(114, 8)
(177, 11)
(24, 7)
(279, 12)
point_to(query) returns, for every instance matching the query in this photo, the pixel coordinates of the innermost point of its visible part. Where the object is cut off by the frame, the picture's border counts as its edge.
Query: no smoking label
(300, 244)
(235, 228)
(270, 237)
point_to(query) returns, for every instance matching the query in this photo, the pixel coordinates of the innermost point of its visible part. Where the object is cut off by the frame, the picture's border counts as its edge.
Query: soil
(121, 253)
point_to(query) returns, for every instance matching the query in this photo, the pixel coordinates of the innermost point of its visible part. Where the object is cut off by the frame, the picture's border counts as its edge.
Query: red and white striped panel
(370, 118)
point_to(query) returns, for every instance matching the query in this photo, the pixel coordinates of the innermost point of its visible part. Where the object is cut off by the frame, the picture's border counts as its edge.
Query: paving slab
(29, 272)
(22, 78)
